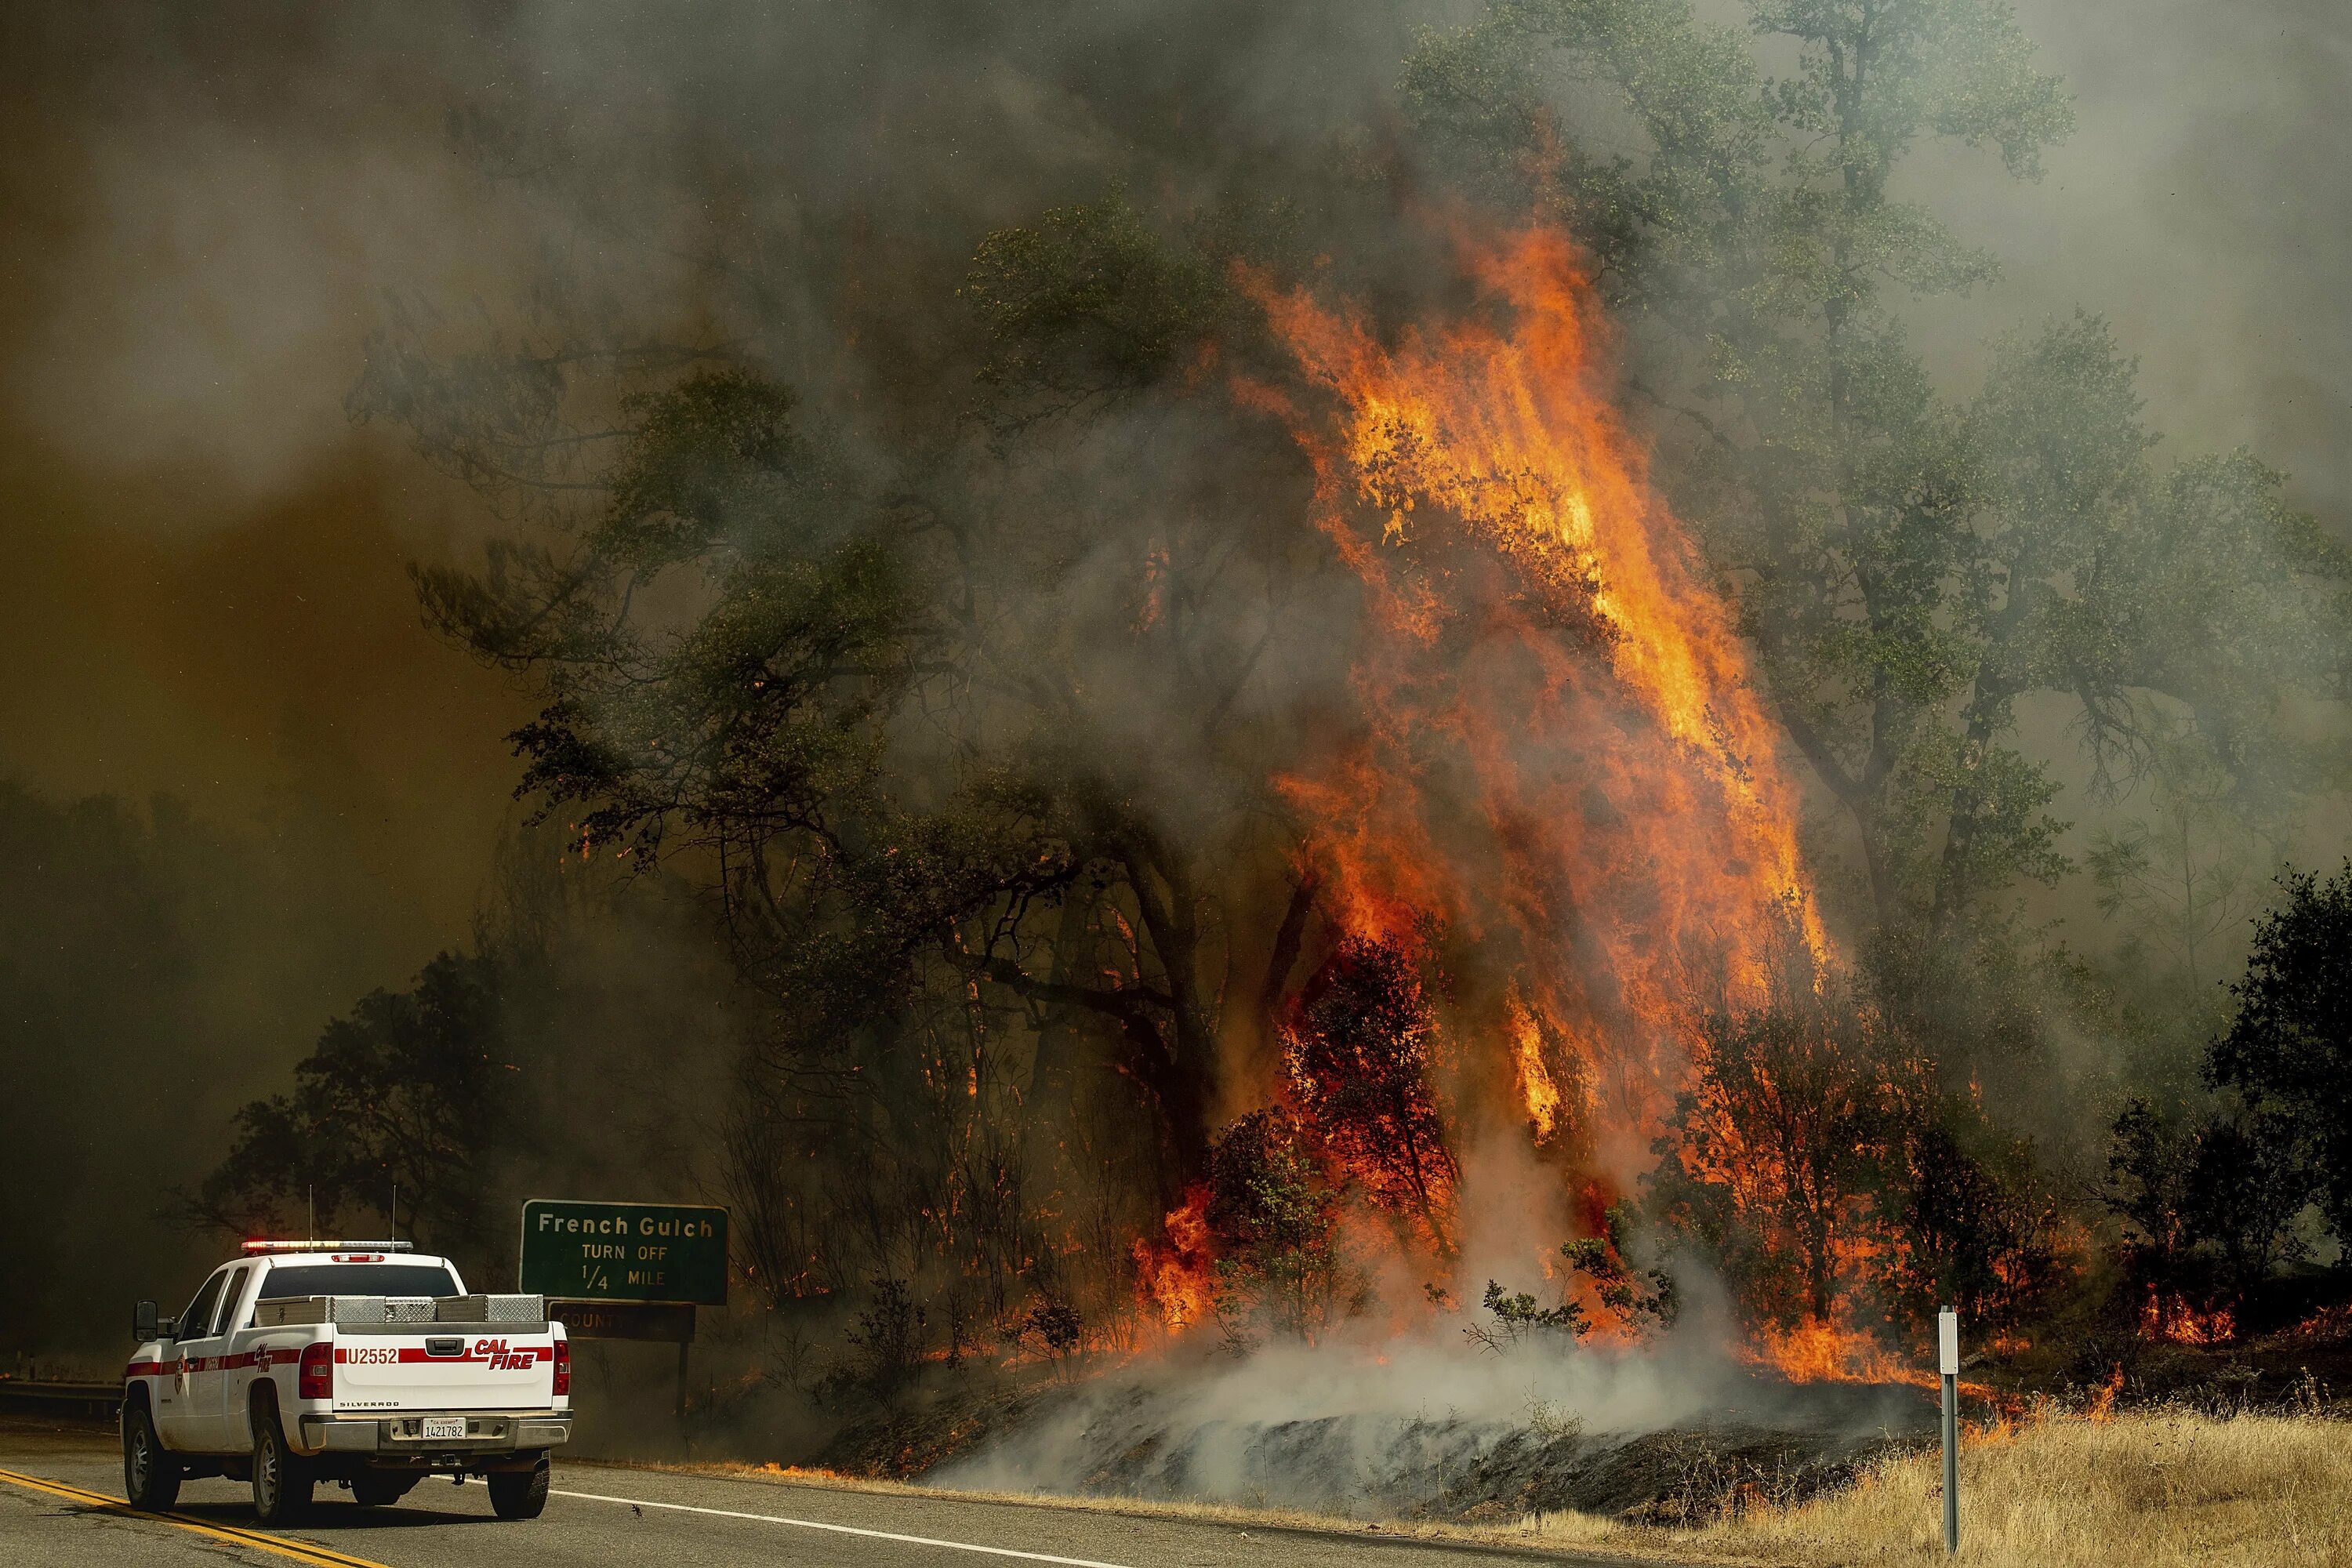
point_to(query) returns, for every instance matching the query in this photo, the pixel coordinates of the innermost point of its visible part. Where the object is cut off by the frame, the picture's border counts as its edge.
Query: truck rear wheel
(281, 1482)
(150, 1472)
(519, 1494)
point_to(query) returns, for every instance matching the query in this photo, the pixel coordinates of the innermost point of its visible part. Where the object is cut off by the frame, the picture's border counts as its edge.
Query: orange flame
(2175, 1320)
(1542, 639)
(1826, 1352)
(1537, 1091)
(1176, 1278)
(2102, 1406)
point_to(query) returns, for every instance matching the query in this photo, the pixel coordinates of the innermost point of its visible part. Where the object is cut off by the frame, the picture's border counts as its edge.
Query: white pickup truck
(361, 1363)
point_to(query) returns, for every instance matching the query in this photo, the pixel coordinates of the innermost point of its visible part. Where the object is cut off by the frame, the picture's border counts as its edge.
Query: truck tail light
(315, 1377)
(562, 1368)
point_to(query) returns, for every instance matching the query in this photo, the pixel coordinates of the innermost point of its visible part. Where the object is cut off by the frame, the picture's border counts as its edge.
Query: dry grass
(2151, 1489)
(2147, 1489)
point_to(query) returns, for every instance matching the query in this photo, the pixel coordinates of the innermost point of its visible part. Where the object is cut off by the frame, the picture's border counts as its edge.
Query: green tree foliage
(2184, 875)
(2288, 1051)
(1640, 1297)
(1976, 1224)
(2206, 1206)
(518, 1066)
(776, 730)
(100, 943)
(1085, 303)
(1274, 1213)
(154, 967)
(414, 1090)
(1519, 1318)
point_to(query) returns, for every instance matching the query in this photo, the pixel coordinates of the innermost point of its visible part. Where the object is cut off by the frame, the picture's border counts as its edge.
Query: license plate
(441, 1429)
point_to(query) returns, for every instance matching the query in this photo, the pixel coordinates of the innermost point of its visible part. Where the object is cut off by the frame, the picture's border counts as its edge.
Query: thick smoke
(2194, 206)
(208, 213)
(1374, 1430)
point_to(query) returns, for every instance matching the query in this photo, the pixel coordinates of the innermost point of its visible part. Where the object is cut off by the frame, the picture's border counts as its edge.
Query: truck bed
(397, 1353)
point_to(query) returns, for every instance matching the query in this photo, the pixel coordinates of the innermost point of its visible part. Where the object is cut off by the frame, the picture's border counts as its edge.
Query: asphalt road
(60, 1493)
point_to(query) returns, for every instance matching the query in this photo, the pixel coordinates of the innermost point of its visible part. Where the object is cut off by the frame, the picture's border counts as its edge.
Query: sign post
(625, 1271)
(1947, 1359)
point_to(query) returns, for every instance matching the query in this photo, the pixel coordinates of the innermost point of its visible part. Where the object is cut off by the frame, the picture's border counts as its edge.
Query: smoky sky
(2200, 206)
(204, 210)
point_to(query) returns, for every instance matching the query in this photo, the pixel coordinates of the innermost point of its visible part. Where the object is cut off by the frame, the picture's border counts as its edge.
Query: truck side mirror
(144, 1323)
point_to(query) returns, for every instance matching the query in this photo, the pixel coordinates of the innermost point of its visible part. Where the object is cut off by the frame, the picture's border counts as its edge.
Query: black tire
(281, 1480)
(370, 1490)
(519, 1494)
(150, 1472)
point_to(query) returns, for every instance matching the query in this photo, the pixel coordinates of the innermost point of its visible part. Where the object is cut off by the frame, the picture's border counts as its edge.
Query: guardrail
(65, 1401)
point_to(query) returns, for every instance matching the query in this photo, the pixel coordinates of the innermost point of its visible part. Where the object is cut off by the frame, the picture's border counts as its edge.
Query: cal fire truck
(359, 1363)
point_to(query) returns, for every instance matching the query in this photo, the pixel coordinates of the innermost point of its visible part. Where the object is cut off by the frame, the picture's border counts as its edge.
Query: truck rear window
(356, 1279)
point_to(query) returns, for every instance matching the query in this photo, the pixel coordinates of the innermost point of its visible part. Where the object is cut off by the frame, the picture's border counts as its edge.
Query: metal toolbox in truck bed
(403, 1312)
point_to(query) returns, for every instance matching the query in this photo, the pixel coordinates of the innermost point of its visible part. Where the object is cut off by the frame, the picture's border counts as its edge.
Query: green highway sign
(624, 1252)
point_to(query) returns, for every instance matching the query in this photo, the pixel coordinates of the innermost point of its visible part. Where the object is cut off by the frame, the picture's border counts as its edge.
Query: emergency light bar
(259, 1246)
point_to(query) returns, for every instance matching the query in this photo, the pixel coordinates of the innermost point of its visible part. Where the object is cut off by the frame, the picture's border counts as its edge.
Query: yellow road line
(300, 1550)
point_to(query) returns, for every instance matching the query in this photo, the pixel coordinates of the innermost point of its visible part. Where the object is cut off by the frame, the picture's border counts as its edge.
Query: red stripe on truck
(527, 1354)
(502, 1358)
(499, 1357)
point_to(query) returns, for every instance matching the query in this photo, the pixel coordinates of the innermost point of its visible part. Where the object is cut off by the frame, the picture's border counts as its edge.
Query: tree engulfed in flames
(1558, 758)
(1546, 661)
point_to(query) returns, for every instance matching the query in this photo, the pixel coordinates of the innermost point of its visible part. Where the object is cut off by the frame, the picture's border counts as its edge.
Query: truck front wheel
(150, 1472)
(519, 1494)
(281, 1482)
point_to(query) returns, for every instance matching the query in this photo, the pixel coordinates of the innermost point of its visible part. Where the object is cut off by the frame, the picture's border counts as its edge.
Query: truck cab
(362, 1363)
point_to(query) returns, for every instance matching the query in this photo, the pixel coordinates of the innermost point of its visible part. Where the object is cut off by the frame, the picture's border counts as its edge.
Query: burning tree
(1357, 1053)
(1976, 1226)
(2206, 1206)
(1778, 1148)
(1638, 1296)
(1815, 1159)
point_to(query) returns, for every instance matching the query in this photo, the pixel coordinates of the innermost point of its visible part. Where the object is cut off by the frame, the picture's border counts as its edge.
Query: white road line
(841, 1530)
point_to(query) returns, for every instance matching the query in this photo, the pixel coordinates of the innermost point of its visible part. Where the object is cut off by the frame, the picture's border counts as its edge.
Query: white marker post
(1947, 1346)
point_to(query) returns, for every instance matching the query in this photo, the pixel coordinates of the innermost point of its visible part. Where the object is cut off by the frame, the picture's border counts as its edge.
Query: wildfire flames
(1175, 1275)
(1544, 650)
(1537, 1091)
(1559, 760)
(1559, 778)
(2171, 1317)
